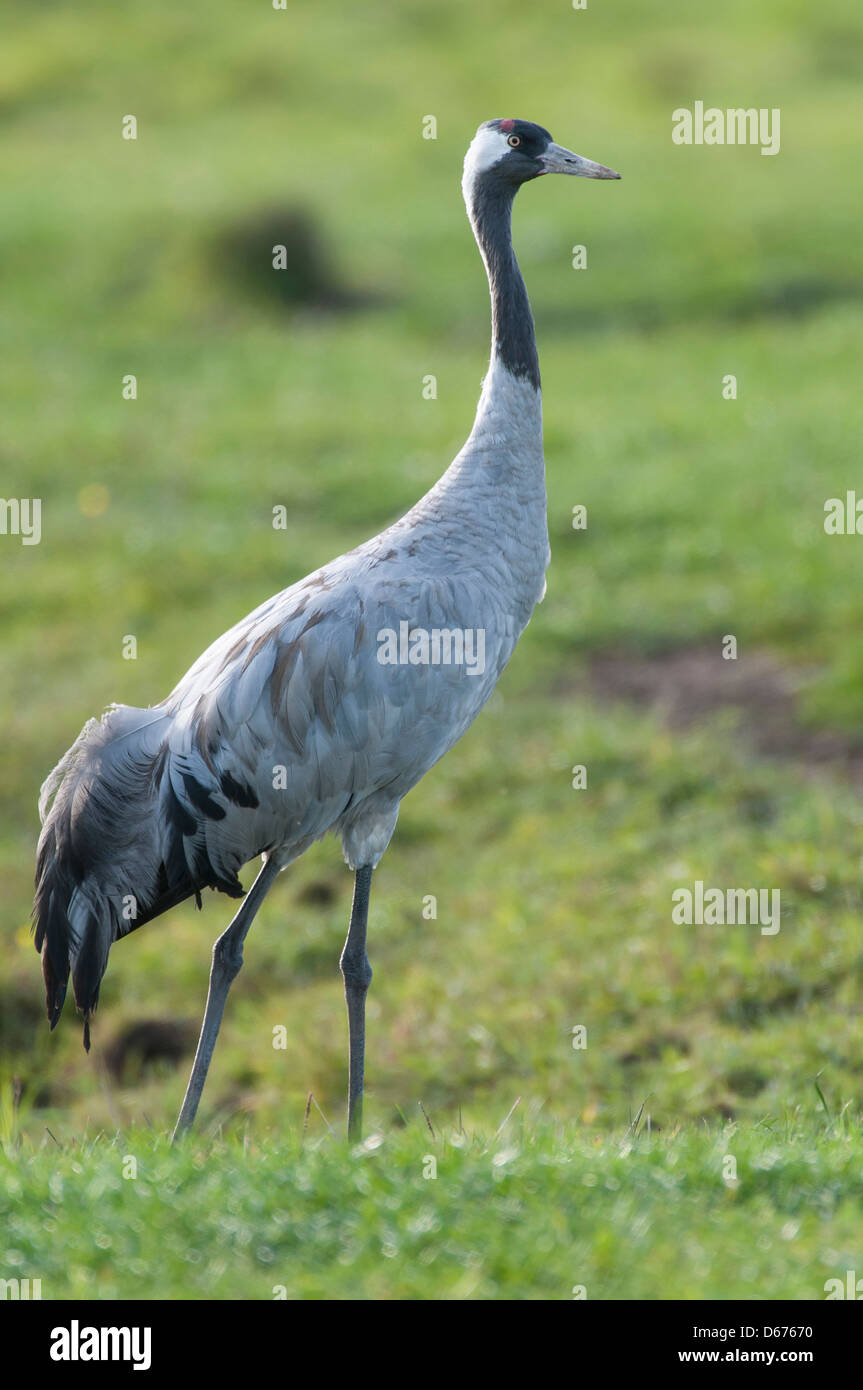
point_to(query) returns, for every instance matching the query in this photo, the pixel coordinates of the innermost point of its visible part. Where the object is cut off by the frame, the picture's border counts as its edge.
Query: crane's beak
(556, 160)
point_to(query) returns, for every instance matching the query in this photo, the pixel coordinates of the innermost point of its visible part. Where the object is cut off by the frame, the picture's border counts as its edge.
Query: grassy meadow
(553, 904)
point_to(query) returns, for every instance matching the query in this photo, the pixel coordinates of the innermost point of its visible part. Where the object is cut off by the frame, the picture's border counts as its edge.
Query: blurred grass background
(705, 518)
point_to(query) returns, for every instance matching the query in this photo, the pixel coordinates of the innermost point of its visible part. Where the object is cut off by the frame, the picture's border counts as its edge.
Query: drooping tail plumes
(100, 869)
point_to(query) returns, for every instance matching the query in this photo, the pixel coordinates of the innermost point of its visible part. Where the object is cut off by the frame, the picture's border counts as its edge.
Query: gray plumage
(289, 726)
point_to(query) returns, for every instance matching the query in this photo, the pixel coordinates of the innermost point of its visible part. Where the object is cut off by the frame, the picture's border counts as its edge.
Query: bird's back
(316, 712)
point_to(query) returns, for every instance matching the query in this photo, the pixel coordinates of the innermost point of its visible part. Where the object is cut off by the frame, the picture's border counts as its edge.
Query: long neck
(513, 340)
(491, 501)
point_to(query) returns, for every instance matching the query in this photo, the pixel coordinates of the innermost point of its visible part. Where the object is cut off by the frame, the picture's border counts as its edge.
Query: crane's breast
(308, 709)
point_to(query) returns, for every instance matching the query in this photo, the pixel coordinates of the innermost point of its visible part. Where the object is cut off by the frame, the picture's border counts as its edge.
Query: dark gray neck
(512, 332)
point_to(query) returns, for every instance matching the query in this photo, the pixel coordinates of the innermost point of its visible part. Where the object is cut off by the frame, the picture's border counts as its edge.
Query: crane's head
(513, 152)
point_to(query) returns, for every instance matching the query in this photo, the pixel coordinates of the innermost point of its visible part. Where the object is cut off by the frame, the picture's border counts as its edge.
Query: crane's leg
(227, 960)
(357, 974)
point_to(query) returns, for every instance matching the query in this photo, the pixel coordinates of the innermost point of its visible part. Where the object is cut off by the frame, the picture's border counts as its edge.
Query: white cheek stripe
(487, 147)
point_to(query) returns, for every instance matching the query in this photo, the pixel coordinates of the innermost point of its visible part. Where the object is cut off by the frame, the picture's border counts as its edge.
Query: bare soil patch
(689, 685)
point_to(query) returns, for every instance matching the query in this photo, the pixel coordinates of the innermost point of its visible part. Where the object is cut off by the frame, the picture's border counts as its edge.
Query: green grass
(538, 1213)
(705, 518)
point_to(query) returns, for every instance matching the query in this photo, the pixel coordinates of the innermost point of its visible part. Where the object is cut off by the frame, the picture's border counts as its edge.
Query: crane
(321, 709)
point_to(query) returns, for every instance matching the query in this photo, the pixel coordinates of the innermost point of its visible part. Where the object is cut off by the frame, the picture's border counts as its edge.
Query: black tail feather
(113, 830)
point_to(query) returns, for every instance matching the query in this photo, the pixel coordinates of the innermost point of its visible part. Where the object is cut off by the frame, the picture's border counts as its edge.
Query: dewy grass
(541, 1211)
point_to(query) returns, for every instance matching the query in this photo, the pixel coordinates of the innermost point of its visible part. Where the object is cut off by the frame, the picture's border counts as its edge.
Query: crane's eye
(514, 140)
